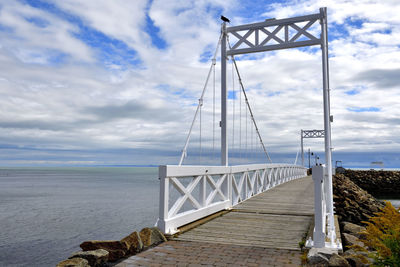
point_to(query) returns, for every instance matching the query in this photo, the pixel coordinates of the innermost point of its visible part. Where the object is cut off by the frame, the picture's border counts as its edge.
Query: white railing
(189, 193)
(324, 226)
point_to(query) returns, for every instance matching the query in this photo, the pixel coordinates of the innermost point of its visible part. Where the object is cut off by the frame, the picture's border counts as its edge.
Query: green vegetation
(382, 234)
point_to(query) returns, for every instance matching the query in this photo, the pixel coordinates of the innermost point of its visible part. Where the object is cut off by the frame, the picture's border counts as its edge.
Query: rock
(353, 229)
(133, 243)
(96, 257)
(354, 252)
(151, 236)
(75, 262)
(351, 240)
(338, 261)
(116, 249)
(317, 256)
(354, 261)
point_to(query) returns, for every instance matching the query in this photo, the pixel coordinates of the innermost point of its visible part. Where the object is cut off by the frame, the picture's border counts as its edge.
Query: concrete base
(336, 245)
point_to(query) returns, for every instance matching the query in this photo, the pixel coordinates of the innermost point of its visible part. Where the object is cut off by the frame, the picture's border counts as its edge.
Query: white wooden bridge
(253, 214)
(191, 193)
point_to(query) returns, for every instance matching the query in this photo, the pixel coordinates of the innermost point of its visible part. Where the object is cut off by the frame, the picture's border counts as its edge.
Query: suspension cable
(201, 105)
(213, 127)
(251, 141)
(248, 105)
(297, 155)
(184, 151)
(246, 137)
(240, 124)
(233, 107)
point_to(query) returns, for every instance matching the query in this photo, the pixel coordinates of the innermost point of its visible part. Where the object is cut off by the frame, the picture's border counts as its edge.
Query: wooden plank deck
(278, 218)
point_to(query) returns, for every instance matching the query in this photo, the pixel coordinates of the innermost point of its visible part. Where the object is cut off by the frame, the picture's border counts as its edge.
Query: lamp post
(315, 157)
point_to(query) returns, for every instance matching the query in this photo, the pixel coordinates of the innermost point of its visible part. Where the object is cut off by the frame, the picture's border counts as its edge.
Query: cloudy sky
(117, 82)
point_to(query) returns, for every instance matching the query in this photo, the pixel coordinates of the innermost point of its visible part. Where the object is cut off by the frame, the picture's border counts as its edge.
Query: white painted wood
(225, 191)
(319, 206)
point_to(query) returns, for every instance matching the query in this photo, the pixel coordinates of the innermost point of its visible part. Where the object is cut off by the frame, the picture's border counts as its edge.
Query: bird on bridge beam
(225, 19)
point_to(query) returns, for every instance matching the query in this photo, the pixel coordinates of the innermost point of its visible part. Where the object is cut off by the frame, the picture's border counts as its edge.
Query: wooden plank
(289, 246)
(277, 218)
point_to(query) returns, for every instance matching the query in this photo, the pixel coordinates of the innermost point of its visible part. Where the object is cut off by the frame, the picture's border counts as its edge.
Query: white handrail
(204, 190)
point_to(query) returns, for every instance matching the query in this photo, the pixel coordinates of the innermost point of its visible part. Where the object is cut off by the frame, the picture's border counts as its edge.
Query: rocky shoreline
(380, 184)
(354, 195)
(352, 203)
(105, 253)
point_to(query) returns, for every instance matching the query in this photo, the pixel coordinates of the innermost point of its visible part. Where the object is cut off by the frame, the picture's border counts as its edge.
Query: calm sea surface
(45, 213)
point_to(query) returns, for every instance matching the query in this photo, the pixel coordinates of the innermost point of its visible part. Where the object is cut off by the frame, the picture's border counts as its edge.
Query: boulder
(75, 262)
(133, 243)
(318, 256)
(351, 240)
(151, 236)
(353, 229)
(354, 261)
(96, 257)
(338, 261)
(116, 249)
(355, 252)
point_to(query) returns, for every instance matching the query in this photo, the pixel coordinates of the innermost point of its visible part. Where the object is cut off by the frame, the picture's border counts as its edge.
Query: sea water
(395, 202)
(45, 213)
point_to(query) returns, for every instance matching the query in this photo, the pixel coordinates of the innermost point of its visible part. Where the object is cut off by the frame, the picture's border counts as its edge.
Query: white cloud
(35, 43)
(80, 103)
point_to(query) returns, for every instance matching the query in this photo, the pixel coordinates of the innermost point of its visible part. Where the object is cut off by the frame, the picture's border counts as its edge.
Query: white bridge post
(223, 124)
(164, 198)
(327, 122)
(319, 206)
(302, 149)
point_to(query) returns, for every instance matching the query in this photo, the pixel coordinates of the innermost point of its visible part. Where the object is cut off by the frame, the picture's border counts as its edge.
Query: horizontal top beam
(273, 22)
(313, 133)
(274, 34)
(272, 47)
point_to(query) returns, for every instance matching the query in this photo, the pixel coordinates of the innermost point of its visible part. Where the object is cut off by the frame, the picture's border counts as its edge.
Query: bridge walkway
(264, 230)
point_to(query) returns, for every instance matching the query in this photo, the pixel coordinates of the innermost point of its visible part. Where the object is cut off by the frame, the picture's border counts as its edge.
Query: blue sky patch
(7, 29)
(56, 57)
(310, 49)
(337, 31)
(253, 10)
(274, 93)
(352, 92)
(164, 86)
(179, 92)
(366, 109)
(154, 33)
(384, 31)
(207, 55)
(355, 22)
(39, 22)
(232, 94)
(109, 50)
(216, 11)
